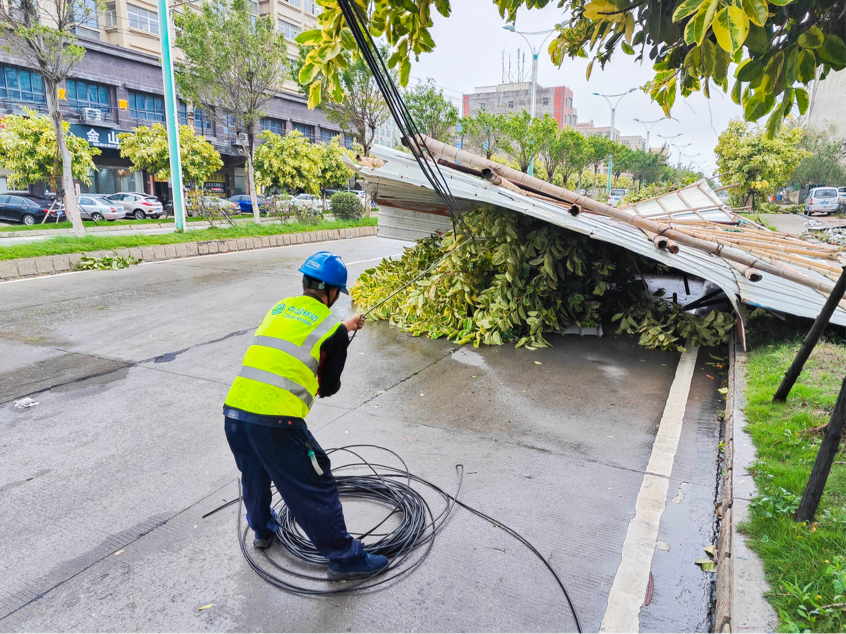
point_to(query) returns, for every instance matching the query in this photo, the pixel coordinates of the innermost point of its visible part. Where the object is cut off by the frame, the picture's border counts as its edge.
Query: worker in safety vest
(297, 354)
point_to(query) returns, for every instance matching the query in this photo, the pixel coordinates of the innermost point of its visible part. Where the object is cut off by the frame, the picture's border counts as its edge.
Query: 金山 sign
(97, 136)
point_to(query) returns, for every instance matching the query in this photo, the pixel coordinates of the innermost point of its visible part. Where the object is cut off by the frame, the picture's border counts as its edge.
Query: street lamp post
(681, 149)
(171, 119)
(648, 125)
(535, 51)
(611, 133)
(668, 141)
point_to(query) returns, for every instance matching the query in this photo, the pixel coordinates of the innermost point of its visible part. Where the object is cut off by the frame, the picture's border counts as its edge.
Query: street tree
(290, 162)
(487, 132)
(362, 109)
(28, 151)
(779, 47)
(334, 172)
(519, 140)
(147, 148)
(647, 166)
(574, 159)
(233, 63)
(549, 145)
(434, 114)
(623, 160)
(43, 34)
(746, 155)
(826, 164)
(598, 149)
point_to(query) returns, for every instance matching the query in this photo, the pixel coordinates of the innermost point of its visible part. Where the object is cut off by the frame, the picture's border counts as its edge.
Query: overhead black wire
(406, 545)
(399, 111)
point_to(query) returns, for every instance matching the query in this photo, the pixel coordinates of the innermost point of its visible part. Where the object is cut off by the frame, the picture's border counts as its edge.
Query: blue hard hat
(327, 268)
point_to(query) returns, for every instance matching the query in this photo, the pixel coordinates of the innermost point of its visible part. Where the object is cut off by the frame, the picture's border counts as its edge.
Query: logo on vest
(279, 308)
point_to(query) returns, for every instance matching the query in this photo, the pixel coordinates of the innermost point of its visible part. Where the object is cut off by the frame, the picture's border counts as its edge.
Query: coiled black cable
(406, 545)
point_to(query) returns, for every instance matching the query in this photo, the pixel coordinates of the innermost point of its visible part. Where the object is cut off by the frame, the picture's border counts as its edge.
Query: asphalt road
(105, 481)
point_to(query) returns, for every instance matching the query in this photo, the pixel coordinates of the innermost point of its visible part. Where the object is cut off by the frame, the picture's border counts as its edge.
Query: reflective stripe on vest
(279, 374)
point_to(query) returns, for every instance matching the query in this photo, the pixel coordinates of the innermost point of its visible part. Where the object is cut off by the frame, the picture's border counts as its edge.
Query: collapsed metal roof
(394, 179)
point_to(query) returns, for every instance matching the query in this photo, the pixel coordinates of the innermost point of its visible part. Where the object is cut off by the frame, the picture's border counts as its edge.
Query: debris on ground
(25, 403)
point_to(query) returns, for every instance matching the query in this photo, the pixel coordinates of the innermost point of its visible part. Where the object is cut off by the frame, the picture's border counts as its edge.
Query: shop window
(143, 19)
(274, 125)
(145, 106)
(18, 84)
(307, 130)
(85, 94)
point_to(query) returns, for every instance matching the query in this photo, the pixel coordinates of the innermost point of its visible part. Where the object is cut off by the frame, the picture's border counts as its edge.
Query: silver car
(138, 206)
(822, 200)
(97, 208)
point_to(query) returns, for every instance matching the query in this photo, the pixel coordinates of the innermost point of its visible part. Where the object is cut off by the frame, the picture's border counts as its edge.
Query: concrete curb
(32, 267)
(109, 228)
(740, 604)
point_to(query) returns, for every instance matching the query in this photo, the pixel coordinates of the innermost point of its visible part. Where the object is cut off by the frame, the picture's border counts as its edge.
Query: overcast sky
(469, 54)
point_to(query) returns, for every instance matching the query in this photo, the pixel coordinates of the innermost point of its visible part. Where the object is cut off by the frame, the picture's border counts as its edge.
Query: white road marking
(622, 614)
(384, 257)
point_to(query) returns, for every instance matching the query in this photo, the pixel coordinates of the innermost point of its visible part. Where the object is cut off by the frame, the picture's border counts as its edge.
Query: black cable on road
(406, 545)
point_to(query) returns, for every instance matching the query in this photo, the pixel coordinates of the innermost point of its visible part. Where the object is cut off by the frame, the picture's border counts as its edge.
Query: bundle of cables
(405, 535)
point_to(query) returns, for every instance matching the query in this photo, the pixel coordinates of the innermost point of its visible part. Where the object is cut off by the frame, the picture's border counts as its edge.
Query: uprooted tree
(527, 278)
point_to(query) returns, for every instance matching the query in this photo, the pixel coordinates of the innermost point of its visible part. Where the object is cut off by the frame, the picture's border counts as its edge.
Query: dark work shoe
(366, 566)
(259, 542)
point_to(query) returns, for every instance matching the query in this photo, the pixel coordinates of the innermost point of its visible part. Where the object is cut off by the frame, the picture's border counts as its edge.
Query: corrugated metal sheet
(696, 201)
(402, 179)
(406, 224)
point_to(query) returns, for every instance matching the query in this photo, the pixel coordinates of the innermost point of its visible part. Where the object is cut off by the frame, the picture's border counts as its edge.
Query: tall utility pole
(171, 120)
(535, 51)
(611, 133)
(648, 125)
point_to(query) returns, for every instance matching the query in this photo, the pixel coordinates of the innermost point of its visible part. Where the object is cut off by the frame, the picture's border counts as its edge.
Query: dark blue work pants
(264, 454)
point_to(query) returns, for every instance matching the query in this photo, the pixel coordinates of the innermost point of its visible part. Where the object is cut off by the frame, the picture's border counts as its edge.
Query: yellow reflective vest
(279, 373)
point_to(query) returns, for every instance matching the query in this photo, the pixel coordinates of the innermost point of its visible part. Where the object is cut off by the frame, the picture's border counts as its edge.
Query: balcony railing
(93, 115)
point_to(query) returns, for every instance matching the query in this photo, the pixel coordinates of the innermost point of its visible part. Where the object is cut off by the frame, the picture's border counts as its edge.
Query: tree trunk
(251, 177)
(825, 458)
(68, 189)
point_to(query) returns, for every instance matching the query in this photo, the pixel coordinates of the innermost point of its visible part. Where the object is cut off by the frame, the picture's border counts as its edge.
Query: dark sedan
(27, 209)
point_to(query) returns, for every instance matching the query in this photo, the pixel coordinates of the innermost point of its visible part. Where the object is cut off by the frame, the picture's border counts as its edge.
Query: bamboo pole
(662, 242)
(772, 237)
(777, 248)
(439, 148)
(753, 275)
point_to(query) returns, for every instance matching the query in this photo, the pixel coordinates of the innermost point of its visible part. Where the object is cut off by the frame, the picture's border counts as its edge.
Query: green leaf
(313, 37)
(735, 92)
(686, 8)
(314, 94)
(700, 24)
(758, 39)
(731, 26)
(812, 38)
(756, 10)
(589, 69)
(774, 123)
(628, 50)
(802, 100)
(807, 66)
(833, 50)
(600, 10)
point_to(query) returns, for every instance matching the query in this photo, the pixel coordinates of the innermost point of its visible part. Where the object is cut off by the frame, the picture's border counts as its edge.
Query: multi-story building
(557, 101)
(635, 142)
(588, 129)
(387, 134)
(118, 86)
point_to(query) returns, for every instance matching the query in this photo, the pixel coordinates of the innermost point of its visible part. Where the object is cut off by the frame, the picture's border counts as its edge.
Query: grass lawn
(60, 245)
(105, 223)
(804, 564)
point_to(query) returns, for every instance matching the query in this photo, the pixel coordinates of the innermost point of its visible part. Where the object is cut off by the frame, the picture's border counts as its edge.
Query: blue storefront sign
(97, 136)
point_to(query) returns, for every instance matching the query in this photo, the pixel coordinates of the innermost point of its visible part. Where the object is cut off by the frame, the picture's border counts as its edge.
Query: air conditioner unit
(92, 114)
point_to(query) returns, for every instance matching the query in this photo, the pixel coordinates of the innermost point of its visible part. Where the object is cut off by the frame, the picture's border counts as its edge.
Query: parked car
(822, 200)
(223, 204)
(841, 195)
(98, 208)
(138, 206)
(616, 195)
(244, 202)
(27, 208)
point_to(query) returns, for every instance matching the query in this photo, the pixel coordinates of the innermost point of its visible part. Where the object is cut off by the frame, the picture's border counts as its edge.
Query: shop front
(114, 173)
